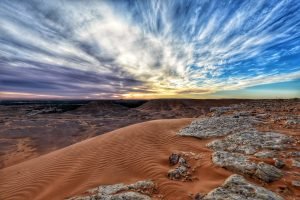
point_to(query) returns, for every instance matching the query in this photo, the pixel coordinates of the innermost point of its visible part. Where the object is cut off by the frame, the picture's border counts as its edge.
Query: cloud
(117, 48)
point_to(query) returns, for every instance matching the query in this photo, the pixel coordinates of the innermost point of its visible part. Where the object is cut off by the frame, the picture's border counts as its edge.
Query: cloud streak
(116, 49)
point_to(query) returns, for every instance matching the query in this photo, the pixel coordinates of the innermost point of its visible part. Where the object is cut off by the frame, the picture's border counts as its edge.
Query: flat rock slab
(234, 162)
(239, 163)
(237, 188)
(251, 141)
(135, 191)
(218, 126)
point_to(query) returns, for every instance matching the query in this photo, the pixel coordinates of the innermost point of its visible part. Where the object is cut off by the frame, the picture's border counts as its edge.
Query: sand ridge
(125, 155)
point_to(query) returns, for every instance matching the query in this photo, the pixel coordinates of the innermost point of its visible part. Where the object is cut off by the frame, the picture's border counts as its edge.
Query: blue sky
(150, 49)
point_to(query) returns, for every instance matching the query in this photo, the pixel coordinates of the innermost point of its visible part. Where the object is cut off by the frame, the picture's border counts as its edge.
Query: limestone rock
(265, 154)
(237, 188)
(251, 141)
(217, 126)
(239, 163)
(268, 173)
(135, 191)
(234, 162)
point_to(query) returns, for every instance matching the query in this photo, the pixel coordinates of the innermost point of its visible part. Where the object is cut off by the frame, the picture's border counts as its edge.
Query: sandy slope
(126, 155)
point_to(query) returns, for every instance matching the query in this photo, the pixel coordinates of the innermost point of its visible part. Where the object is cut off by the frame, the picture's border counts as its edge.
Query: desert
(219, 154)
(150, 100)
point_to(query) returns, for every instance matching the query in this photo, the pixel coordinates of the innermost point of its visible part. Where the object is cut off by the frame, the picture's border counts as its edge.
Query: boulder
(173, 159)
(279, 163)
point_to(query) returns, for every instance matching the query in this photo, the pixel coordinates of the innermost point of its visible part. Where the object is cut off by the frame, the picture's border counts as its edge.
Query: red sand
(126, 155)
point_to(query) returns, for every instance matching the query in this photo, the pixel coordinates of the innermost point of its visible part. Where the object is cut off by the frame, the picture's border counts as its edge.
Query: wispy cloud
(146, 48)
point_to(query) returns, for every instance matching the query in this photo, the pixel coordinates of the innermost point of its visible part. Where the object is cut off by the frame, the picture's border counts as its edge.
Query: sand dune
(133, 153)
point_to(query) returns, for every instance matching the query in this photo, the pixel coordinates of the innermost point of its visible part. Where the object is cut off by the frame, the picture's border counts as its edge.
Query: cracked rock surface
(239, 163)
(140, 190)
(218, 126)
(251, 141)
(237, 187)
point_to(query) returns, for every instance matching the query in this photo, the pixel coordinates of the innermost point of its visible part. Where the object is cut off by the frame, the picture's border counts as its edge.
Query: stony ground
(258, 141)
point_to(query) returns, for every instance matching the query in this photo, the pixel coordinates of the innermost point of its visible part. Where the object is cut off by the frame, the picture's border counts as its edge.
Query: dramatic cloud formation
(146, 49)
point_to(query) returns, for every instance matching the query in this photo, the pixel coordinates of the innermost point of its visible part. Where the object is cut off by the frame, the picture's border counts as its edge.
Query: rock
(296, 184)
(199, 196)
(234, 162)
(142, 185)
(290, 123)
(173, 159)
(265, 154)
(239, 163)
(129, 196)
(268, 173)
(178, 173)
(279, 163)
(120, 192)
(251, 141)
(183, 162)
(237, 188)
(294, 154)
(295, 163)
(217, 126)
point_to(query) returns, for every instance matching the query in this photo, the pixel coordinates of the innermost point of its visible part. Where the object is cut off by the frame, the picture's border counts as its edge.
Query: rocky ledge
(246, 143)
(218, 126)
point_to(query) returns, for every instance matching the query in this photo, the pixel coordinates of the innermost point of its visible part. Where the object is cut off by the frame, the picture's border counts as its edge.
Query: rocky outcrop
(237, 188)
(218, 126)
(251, 141)
(140, 190)
(181, 172)
(185, 164)
(239, 163)
(234, 162)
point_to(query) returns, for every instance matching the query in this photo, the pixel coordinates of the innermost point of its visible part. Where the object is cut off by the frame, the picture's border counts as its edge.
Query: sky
(147, 49)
